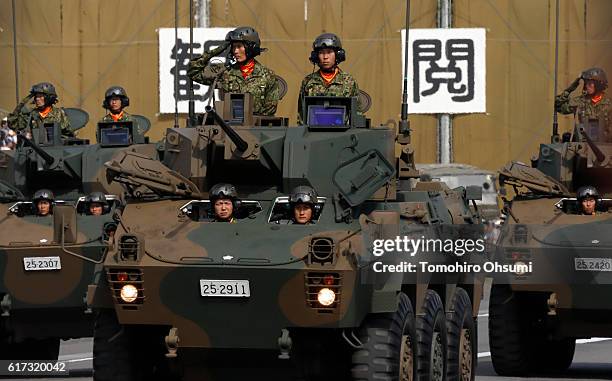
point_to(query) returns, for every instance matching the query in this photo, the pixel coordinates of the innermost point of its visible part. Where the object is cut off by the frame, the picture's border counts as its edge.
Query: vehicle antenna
(555, 131)
(404, 124)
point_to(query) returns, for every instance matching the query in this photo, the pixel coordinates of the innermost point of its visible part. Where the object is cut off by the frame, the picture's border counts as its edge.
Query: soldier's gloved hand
(574, 84)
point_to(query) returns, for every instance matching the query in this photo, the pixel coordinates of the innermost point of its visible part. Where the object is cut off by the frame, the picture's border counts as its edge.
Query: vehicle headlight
(129, 293)
(521, 268)
(326, 297)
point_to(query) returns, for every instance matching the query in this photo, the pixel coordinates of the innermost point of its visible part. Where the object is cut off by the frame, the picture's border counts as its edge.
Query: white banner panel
(204, 39)
(447, 70)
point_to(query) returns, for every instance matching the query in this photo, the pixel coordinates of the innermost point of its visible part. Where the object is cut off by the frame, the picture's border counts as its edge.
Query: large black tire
(519, 345)
(389, 346)
(431, 338)
(125, 353)
(510, 346)
(461, 331)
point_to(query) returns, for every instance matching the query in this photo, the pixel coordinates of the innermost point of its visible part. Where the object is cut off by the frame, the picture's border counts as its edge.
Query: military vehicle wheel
(461, 332)
(389, 343)
(508, 341)
(123, 354)
(431, 338)
(555, 356)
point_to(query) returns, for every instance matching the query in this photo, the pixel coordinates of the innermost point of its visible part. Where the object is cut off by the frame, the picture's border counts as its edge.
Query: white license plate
(231, 288)
(42, 263)
(593, 264)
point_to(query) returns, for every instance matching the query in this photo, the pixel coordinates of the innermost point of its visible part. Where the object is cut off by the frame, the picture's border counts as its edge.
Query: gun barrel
(596, 150)
(229, 131)
(39, 151)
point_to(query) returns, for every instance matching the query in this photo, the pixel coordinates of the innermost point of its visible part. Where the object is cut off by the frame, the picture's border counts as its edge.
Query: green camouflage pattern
(126, 117)
(585, 109)
(21, 119)
(261, 83)
(343, 85)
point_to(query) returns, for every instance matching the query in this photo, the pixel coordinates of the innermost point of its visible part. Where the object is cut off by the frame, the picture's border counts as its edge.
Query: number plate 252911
(227, 288)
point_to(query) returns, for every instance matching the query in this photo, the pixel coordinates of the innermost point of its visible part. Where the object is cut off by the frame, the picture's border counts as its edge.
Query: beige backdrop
(84, 46)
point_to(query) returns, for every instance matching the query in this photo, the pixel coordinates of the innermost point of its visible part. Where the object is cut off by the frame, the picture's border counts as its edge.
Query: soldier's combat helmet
(44, 194)
(96, 197)
(223, 190)
(249, 37)
(598, 75)
(115, 91)
(303, 194)
(47, 89)
(587, 191)
(327, 40)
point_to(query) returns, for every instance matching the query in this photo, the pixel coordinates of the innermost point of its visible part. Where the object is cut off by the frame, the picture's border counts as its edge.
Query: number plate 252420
(228, 288)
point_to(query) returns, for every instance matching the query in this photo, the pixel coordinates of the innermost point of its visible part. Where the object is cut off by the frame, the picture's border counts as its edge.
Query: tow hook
(172, 343)
(5, 305)
(552, 304)
(284, 344)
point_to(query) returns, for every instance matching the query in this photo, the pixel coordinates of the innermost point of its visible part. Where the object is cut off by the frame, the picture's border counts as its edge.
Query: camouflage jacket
(124, 118)
(261, 83)
(22, 119)
(582, 107)
(343, 85)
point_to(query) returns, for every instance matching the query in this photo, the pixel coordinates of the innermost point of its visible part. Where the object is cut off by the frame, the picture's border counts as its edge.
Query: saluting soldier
(44, 98)
(242, 72)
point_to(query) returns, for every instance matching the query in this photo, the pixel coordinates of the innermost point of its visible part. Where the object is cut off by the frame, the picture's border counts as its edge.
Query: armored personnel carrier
(47, 263)
(535, 317)
(197, 299)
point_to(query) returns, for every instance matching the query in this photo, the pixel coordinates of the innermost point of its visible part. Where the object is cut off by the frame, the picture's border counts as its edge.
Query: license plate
(42, 263)
(230, 288)
(593, 264)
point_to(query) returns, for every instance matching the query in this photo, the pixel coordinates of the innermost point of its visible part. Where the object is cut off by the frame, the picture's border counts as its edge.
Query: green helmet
(47, 89)
(116, 91)
(44, 194)
(249, 37)
(223, 190)
(327, 40)
(303, 194)
(587, 191)
(98, 197)
(598, 75)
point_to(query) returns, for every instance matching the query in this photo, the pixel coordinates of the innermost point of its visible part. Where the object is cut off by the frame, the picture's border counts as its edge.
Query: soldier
(115, 101)
(588, 198)
(303, 200)
(44, 97)
(242, 72)
(43, 200)
(95, 203)
(329, 80)
(592, 104)
(224, 200)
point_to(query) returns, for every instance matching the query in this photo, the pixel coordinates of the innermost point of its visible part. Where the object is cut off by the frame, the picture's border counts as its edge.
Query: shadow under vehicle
(535, 317)
(47, 263)
(198, 299)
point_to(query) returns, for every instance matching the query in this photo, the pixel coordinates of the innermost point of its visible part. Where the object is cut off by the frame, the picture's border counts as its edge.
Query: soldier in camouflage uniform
(329, 80)
(592, 105)
(242, 73)
(115, 102)
(44, 97)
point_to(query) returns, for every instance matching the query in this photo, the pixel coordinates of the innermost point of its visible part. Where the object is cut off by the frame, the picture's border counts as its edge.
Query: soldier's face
(327, 58)
(95, 209)
(44, 207)
(224, 209)
(588, 206)
(239, 51)
(590, 88)
(115, 105)
(302, 213)
(39, 100)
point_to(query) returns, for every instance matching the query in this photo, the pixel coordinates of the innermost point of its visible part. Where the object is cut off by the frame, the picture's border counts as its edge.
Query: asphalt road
(592, 361)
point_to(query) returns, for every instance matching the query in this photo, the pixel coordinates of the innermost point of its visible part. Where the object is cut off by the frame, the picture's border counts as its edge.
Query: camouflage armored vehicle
(48, 262)
(200, 299)
(535, 317)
